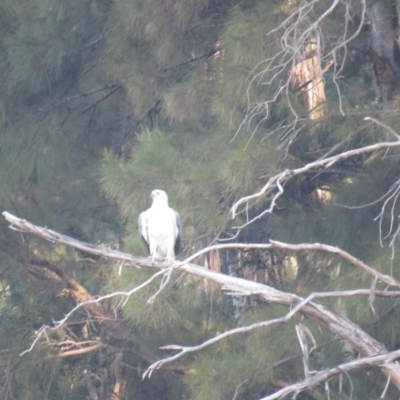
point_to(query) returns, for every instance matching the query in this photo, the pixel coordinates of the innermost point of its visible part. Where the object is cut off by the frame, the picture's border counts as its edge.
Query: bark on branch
(311, 309)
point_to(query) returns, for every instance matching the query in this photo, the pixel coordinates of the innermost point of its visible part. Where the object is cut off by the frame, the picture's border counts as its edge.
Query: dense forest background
(103, 101)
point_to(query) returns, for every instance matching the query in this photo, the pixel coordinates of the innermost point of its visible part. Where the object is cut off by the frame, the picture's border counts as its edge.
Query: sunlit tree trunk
(309, 77)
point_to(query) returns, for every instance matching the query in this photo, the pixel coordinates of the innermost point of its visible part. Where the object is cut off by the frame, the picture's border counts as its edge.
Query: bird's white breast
(161, 224)
(161, 231)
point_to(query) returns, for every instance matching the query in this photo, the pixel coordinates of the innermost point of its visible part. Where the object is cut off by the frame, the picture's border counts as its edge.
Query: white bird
(161, 228)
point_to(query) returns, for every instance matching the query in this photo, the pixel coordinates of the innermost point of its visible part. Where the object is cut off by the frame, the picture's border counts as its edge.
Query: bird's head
(159, 197)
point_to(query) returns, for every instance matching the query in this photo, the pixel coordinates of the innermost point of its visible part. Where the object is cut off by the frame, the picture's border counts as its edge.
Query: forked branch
(274, 187)
(309, 308)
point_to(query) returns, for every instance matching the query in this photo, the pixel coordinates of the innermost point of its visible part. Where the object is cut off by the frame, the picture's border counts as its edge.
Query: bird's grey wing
(144, 229)
(178, 226)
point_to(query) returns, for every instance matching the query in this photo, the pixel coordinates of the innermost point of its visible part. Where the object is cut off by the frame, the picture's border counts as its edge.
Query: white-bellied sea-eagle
(161, 228)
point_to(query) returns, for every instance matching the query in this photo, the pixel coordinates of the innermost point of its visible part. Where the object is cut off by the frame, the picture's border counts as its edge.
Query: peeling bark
(309, 78)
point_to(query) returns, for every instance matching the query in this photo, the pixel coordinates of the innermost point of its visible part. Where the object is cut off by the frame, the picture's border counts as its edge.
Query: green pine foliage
(104, 101)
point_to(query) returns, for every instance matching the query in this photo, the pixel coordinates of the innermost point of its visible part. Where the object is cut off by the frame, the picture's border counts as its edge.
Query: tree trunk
(384, 51)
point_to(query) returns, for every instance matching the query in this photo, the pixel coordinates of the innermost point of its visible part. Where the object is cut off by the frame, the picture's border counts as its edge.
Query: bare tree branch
(53, 236)
(83, 350)
(343, 254)
(42, 332)
(184, 350)
(379, 360)
(385, 127)
(243, 329)
(303, 247)
(274, 187)
(313, 310)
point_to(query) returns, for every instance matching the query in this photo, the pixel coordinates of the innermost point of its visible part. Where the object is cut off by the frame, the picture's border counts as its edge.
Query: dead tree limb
(52, 236)
(273, 244)
(378, 360)
(310, 309)
(343, 254)
(274, 187)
